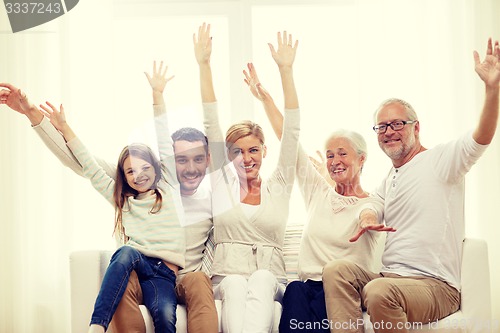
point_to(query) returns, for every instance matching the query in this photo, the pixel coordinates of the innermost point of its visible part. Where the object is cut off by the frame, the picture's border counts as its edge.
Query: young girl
(149, 213)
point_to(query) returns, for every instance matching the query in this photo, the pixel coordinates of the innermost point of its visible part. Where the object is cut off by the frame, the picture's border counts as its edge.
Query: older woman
(338, 216)
(250, 213)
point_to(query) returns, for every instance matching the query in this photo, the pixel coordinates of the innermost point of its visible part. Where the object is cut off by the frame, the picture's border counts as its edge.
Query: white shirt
(424, 201)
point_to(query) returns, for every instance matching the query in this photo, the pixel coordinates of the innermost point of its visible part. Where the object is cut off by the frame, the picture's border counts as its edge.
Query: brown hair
(122, 188)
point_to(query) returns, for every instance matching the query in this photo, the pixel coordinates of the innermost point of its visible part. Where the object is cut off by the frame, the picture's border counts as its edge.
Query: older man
(424, 202)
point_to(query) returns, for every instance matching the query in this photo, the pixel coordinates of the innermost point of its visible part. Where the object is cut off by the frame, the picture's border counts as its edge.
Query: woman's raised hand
(285, 55)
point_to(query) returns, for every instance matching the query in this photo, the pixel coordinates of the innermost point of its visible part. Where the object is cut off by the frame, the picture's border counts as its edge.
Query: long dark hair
(122, 188)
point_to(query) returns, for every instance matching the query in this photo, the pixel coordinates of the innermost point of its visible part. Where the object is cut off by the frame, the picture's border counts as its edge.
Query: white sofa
(88, 267)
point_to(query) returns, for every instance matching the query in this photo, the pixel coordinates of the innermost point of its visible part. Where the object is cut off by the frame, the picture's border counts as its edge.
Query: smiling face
(397, 144)
(191, 162)
(343, 162)
(247, 154)
(139, 174)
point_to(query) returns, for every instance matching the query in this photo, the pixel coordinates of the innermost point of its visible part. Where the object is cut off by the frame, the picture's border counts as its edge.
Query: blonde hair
(243, 129)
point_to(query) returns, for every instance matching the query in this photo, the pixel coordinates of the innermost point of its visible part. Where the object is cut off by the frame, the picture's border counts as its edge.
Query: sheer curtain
(352, 55)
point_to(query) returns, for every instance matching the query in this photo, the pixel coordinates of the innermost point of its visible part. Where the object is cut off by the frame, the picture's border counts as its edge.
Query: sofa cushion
(291, 246)
(208, 253)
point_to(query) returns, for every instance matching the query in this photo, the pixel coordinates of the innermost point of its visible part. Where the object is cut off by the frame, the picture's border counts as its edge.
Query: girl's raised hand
(159, 79)
(57, 119)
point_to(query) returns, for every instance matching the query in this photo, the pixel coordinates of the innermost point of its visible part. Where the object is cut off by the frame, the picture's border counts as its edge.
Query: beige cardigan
(244, 245)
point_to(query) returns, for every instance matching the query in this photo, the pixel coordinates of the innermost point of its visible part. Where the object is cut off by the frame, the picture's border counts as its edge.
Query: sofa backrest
(291, 246)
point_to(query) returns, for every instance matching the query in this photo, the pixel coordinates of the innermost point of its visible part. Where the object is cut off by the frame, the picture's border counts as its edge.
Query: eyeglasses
(396, 125)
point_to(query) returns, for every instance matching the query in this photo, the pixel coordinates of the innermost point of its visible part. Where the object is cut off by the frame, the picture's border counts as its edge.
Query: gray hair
(357, 141)
(410, 112)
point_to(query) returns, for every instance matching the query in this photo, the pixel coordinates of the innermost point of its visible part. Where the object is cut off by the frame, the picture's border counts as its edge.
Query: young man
(194, 288)
(424, 202)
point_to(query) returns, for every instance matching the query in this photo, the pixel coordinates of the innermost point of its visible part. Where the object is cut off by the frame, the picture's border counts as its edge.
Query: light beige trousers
(394, 303)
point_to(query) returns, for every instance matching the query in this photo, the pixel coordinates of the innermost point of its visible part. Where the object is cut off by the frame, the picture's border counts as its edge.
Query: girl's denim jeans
(157, 283)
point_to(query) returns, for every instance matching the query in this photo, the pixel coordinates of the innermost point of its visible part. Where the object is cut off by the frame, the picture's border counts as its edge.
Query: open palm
(489, 69)
(202, 44)
(159, 79)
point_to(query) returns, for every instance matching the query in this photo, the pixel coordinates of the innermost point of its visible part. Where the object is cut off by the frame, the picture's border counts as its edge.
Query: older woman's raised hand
(320, 165)
(284, 56)
(253, 82)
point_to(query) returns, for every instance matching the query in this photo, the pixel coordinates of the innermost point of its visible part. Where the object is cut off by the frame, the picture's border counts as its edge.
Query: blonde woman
(250, 213)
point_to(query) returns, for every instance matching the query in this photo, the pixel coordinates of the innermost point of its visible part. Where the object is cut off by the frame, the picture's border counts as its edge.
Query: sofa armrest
(476, 289)
(87, 269)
